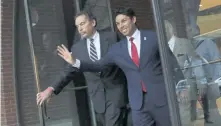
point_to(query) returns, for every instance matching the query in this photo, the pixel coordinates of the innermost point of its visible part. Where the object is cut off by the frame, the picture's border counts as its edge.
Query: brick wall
(8, 104)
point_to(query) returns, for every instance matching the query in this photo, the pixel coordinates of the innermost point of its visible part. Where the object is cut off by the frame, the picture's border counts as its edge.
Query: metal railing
(41, 109)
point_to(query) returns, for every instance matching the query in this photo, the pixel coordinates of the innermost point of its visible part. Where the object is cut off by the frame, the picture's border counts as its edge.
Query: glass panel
(48, 31)
(100, 10)
(194, 36)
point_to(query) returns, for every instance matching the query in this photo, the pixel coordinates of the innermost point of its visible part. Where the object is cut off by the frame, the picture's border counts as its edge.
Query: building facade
(52, 24)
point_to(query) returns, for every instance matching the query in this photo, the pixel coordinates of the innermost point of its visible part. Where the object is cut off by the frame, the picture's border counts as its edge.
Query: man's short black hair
(86, 13)
(125, 11)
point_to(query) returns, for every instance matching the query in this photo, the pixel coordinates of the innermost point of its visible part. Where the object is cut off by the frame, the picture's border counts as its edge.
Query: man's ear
(134, 19)
(94, 23)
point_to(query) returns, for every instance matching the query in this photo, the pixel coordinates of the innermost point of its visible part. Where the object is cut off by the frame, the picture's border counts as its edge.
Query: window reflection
(99, 8)
(209, 17)
(198, 55)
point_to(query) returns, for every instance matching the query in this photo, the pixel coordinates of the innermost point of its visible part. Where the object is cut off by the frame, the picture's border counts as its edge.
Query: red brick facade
(8, 104)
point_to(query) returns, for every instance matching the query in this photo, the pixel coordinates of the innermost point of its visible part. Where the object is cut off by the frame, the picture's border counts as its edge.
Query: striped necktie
(93, 52)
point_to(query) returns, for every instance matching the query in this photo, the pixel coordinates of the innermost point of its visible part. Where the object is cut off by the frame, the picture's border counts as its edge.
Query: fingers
(48, 100)
(40, 98)
(64, 48)
(63, 51)
(61, 55)
(41, 102)
(60, 50)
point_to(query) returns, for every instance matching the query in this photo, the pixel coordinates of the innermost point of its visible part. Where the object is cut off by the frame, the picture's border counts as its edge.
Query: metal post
(77, 5)
(110, 15)
(14, 40)
(30, 40)
(163, 47)
(94, 122)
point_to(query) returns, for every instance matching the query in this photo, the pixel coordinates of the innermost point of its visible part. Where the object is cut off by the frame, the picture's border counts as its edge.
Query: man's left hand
(65, 54)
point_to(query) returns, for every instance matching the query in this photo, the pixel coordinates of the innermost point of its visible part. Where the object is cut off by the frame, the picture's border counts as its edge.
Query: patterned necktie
(93, 52)
(136, 60)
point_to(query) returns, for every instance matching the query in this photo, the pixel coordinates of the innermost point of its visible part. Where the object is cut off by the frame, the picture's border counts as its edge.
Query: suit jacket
(149, 71)
(109, 84)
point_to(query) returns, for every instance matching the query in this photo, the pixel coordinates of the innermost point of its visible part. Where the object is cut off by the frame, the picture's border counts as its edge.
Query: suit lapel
(85, 50)
(143, 42)
(103, 44)
(147, 48)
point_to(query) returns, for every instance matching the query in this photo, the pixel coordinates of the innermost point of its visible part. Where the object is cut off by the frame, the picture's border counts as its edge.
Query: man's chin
(125, 33)
(83, 36)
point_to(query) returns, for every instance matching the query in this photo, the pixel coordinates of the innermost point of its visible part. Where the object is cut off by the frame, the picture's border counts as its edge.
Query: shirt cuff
(77, 64)
(51, 88)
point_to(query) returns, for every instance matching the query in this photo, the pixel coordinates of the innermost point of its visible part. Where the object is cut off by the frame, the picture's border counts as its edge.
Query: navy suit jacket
(149, 70)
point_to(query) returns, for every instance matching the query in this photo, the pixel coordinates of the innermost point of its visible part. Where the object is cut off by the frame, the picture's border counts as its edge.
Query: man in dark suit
(105, 88)
(138, 56)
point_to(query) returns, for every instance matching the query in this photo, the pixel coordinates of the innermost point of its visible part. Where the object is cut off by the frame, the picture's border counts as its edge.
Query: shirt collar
(135, 35)
(94, 36)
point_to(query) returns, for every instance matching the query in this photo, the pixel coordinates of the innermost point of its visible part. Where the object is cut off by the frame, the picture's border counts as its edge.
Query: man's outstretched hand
(44, 95)
(65, 54)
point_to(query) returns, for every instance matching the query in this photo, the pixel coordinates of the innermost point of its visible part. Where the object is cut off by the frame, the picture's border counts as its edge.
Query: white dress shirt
(97, 44)
(136, 41)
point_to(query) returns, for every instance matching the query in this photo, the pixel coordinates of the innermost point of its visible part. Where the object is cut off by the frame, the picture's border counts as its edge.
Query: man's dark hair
(86, 13)
(125, 11)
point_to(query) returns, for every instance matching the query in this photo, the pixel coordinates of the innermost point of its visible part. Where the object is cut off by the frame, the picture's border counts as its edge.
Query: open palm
(65, 54)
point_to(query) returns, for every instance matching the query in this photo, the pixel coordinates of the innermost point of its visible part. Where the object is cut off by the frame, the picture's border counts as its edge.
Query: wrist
(73, 62)
(50, 90)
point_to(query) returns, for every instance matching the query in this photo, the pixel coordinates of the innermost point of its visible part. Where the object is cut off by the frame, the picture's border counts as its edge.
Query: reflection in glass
(48, 31)
(198, 55)
(100, 10)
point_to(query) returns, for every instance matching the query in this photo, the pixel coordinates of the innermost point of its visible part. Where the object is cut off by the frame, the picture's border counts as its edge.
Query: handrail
(203, 64)
(42, 112)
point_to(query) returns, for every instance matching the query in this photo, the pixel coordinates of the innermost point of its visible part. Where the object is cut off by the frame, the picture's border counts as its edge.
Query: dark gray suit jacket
(106, 85)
